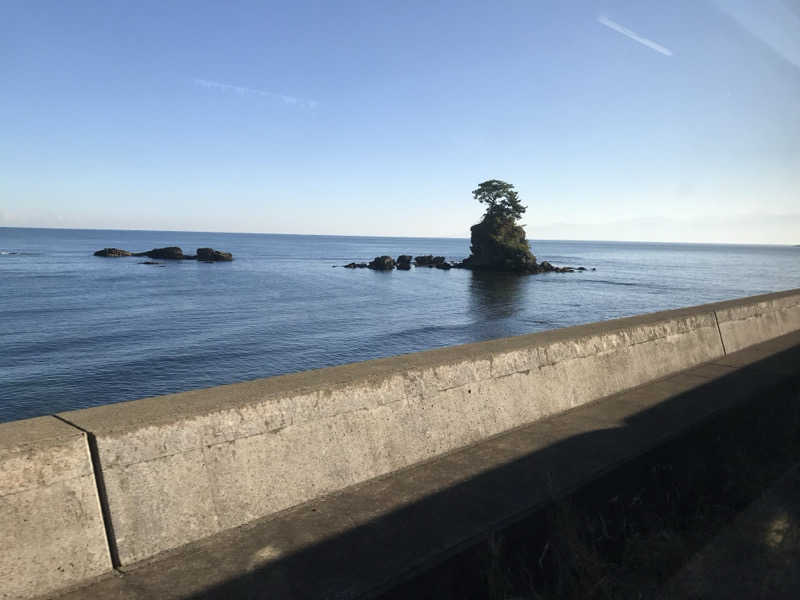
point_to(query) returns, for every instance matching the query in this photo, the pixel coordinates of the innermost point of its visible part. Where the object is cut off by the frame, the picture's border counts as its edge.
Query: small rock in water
(149, 262)
(170, 252)
(424, 261)
(546, 267)
(112, 252)
(382, 263)
(404, 262)
(211, 255)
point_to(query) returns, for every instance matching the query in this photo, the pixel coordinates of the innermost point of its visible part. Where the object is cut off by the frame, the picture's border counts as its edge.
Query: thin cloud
(634, 36)
(246, 91)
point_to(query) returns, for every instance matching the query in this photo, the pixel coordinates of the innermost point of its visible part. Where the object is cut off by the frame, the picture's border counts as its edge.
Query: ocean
(78, 330)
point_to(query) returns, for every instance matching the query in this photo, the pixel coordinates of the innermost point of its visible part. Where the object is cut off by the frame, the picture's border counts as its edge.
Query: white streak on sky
(634, 36)
(246, 91)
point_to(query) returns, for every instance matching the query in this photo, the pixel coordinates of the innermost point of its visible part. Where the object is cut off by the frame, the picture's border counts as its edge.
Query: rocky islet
(169, 253)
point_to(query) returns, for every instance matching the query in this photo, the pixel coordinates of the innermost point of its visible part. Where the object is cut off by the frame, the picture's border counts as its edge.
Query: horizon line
(412, 237)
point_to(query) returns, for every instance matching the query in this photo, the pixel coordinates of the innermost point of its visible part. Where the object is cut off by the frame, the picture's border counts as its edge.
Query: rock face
(424, 261)
(211, 255)
(500, 245)
(382, 263)
(112, 252)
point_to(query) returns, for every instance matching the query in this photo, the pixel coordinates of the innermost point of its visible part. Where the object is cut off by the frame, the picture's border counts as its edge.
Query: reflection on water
(494, 300)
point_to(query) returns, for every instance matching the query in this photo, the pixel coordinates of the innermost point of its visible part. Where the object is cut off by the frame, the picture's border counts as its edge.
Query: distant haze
(674, 121)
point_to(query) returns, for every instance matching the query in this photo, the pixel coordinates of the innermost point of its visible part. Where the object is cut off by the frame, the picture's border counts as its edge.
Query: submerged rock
(112, 252)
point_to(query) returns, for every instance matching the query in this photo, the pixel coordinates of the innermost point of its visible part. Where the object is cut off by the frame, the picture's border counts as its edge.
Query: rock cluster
(403, 263)
(171, 253)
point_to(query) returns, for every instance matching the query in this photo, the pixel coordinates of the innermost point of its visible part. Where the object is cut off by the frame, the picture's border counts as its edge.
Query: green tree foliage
(501, 199)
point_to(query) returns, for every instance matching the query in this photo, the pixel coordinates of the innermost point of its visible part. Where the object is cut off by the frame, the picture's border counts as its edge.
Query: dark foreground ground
(690, 519)
(756, 556)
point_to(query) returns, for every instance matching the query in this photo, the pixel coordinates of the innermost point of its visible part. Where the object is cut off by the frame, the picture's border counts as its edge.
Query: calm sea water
(78, 330)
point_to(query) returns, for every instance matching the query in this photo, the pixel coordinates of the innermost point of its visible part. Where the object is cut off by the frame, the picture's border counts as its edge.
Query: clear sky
(664, 121)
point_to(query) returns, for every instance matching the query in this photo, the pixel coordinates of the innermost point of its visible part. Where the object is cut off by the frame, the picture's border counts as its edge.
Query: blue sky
(664, 121)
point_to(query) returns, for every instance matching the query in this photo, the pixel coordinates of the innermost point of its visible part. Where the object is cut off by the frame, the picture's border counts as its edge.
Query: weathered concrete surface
(182, 467)
(361, 540)
(759, 319)
(757, 556)
(51, 529)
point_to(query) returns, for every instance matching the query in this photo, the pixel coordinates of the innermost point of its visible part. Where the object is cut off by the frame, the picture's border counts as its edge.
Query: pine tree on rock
(498, 241)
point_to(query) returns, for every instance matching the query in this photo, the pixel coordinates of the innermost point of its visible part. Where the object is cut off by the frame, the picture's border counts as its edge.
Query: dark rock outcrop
(211, 255)
(500, 245)
(170, 253)
(403, 262)
(112, 252)
(424, 261)
(382, 263)
(354, 265)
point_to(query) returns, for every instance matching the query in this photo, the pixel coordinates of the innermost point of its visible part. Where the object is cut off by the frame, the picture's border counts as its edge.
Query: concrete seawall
(174, 469)
(51, 526)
